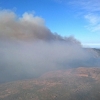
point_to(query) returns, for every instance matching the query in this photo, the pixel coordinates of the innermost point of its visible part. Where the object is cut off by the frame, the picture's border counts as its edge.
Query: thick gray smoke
(28, 27)
(28, 48)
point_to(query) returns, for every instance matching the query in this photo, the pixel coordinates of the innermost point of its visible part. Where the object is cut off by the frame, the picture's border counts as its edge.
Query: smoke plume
(28, 48)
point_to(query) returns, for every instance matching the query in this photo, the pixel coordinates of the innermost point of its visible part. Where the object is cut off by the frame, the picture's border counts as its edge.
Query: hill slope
(73, 84)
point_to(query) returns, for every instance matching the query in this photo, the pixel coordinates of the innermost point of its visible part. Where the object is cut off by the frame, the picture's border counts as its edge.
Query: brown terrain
(79, 72)
(71, 84)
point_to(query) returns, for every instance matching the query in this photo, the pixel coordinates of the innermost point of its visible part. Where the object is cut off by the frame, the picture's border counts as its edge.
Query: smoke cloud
(28, 27)
(28, 48)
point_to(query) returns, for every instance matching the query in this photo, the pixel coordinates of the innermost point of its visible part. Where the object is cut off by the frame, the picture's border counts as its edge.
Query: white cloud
(91, 5)
(93, 19)
(90, 11)
(94, 22)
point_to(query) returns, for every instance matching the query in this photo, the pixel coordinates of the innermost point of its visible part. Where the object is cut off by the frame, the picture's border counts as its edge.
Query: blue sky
(78, 18)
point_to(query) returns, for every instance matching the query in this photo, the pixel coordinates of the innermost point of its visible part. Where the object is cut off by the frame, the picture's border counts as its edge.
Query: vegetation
(74, 84)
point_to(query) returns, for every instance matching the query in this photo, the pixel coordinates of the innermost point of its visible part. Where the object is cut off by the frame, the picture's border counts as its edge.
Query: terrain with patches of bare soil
(72, 84)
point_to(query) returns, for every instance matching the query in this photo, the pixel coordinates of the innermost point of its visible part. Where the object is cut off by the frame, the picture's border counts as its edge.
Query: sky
(77, 18)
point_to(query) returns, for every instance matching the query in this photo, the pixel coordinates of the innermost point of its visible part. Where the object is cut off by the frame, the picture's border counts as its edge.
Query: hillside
(97, 50)
(72, 84)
